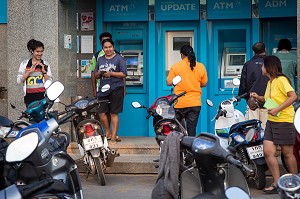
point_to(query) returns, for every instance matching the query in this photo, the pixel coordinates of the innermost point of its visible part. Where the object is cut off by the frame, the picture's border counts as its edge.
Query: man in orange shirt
(194, 77)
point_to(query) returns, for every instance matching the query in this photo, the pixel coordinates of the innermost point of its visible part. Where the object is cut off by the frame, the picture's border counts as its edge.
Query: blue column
(151, 70)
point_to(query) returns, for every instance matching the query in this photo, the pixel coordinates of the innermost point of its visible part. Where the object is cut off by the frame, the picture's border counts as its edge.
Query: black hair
(284, 44)
(34, 44)
(105, 34)
(259, 48)
(188, 51)
(273, 66)
(108, 40)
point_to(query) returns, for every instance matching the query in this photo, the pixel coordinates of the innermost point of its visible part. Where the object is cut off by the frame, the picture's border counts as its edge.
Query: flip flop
(271, 191)
(118, 139)
(108, 138)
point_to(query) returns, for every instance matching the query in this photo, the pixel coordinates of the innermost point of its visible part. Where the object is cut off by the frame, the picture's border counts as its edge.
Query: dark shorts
(280, 132)
(115, 104)
(31, 97)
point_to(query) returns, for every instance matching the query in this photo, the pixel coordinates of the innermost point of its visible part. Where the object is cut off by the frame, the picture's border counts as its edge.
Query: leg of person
(289, 158)
(115, 127)
(116, 99)
(192, 119)
(269, 153)
(102, 110)
(270, 156)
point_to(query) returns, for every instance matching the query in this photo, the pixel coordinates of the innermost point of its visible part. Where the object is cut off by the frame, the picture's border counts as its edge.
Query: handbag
(252, 103)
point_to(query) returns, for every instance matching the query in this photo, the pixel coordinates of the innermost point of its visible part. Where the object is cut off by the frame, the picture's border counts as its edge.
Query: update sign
(166, 10)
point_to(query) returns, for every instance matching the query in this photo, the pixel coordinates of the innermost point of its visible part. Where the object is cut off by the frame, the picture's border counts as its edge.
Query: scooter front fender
(95, 153)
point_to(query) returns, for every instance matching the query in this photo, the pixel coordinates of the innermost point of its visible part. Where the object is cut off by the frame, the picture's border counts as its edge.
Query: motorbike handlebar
(29, 192)
(239, 97)
(238, 164)
(66, 117)
(176, 97)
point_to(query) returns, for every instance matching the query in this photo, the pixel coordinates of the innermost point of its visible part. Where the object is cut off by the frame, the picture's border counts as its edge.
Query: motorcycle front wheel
(100, 172)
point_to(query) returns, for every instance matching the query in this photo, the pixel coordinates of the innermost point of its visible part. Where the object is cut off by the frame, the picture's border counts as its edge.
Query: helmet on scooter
(289, 186)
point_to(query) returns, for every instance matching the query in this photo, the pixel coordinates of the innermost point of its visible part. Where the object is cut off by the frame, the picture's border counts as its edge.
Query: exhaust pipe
(111, 157)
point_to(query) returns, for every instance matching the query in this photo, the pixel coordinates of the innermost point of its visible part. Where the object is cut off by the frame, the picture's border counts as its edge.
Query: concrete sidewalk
(129, 186)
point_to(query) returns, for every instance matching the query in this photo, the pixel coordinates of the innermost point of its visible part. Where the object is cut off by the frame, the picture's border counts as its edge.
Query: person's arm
(93, 78)
(291, 98)
(170, 77)
(23, 74)
(204, 78)
(259, 98)
(243, 82)
(113, 74)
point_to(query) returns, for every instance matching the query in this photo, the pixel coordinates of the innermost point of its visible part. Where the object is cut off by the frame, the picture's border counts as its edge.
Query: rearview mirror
(136, 105)
(209, 102)
(47, 83)
(176, 80)
(236, 192)
(55, 90)
(297, 120)
(21, 148)
(236, 81)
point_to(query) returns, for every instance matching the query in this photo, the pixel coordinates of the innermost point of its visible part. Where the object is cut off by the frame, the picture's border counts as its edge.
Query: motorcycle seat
(243, 124)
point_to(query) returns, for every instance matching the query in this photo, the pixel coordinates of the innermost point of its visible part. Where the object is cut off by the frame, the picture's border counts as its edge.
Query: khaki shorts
(280, 133)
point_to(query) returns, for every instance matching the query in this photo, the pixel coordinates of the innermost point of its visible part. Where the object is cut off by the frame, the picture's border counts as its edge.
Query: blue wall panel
(3, 11)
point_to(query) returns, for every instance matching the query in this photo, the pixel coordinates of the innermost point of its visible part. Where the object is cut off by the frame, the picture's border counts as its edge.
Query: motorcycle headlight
(238, 138)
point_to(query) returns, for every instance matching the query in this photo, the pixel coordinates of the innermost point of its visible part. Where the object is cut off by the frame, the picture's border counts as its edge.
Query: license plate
(93, 142)
(255, 151)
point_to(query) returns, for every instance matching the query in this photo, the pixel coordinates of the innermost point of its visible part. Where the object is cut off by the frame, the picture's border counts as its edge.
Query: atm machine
(232, 62)
(134, 63)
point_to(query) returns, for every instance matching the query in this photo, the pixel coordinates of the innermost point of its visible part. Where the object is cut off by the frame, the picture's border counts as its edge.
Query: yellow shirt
(191, 81)
(277, 90)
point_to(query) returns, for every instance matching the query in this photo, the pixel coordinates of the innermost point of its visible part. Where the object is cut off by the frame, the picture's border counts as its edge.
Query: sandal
(116, 140)
(108, 138)
(273, 189)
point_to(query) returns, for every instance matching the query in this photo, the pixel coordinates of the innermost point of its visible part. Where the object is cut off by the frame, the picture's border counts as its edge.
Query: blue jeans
(191, 115)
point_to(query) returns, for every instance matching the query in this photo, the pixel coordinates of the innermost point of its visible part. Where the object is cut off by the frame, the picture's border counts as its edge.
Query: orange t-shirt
(191, 82)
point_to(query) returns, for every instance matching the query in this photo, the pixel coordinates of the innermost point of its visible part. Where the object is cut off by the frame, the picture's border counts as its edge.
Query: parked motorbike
(49, 159)
(289, 184)
(48, 188)
(91, 138)
(216, 169)
(296, 105)
(19, 151)
(164, 118)
(163, 113)
(243, 136)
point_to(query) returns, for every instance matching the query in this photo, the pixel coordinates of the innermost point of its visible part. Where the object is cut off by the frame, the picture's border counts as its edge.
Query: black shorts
(280, 133)
(115, 104)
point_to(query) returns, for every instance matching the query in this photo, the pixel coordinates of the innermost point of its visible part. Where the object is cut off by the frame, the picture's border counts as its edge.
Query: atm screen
(131, 60)
(236, 60)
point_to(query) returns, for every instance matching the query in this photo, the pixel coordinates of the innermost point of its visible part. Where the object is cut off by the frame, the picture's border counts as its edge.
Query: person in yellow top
(194, 77)
(279, 127)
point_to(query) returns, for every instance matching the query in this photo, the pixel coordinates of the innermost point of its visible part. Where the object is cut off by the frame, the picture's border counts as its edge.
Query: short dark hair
(108, 40)
(258, 48)
(284, 44)
(105, 34)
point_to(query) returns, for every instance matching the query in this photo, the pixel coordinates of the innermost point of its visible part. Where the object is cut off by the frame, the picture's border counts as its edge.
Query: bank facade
(149, 35)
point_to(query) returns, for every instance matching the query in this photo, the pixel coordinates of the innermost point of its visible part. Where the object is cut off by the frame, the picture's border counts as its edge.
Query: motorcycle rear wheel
(100, 172)
(260, 177)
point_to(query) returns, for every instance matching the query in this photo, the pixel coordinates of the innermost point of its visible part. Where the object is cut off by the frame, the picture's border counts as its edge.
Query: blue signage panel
(228, 9)
(125, 10)
(3, 11)
(277, 8)
(166, 10)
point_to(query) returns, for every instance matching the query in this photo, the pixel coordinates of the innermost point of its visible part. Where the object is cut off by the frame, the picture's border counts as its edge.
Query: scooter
(244, 137)
(47, 161)
(165, 121)
(91, 138)
(288, 185)
(296, 105)
(216, 169)
(19, 151)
